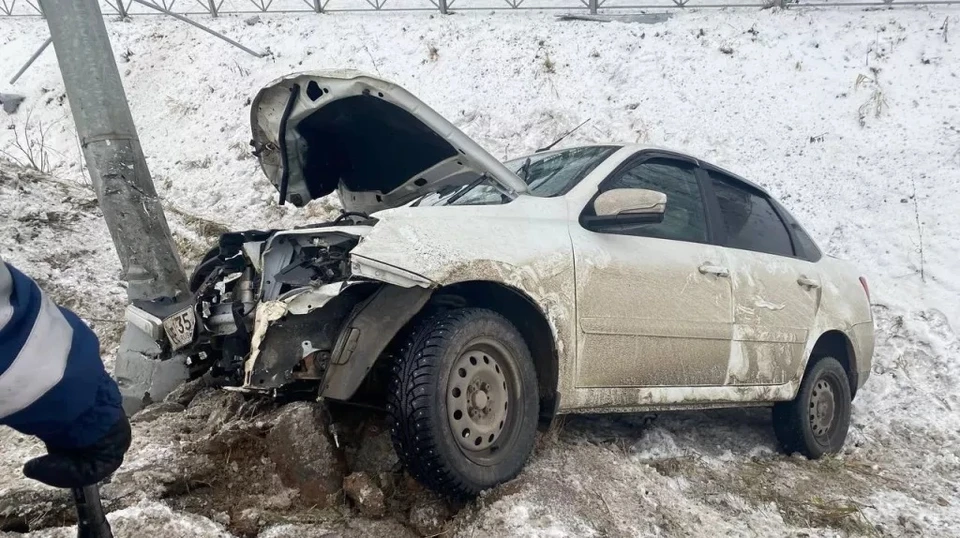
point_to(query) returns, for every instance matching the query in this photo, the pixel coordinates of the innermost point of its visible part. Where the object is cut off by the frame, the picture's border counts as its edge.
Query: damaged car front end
(293, 308)
(280, 310)
(290, 310)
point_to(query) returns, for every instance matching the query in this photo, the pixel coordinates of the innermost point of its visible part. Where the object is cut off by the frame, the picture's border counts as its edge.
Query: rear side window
(749, 219)
(804, 245)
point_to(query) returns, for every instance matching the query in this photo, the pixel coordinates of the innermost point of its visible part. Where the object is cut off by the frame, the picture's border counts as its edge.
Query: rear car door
(776, 294)
(654, 301)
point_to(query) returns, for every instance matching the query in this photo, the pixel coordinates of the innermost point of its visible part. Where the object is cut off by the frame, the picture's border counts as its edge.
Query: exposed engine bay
(290, 309)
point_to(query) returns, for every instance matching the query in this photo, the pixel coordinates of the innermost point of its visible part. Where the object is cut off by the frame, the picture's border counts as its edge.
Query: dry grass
(549, 66)
(29, 147)
(876, 103)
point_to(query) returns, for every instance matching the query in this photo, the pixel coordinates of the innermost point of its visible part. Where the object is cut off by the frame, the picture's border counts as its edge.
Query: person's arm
(53, 386)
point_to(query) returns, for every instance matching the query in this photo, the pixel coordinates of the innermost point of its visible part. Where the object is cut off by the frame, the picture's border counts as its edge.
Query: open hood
(367, 138)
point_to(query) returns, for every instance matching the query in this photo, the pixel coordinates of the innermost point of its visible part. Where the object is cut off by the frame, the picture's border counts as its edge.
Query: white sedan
(476, 299)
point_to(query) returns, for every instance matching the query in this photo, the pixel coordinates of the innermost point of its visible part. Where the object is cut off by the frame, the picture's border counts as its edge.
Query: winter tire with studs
(463, 402)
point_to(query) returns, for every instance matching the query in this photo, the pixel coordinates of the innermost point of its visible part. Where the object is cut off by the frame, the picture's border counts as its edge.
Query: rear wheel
(463, 402)
(815, 423)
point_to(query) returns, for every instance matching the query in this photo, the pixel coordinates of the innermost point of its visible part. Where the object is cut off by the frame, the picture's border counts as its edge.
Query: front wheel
(815, 423)
(463, 402)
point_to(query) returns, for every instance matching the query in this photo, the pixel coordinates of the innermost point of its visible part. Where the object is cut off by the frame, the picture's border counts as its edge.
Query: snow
(851, 118)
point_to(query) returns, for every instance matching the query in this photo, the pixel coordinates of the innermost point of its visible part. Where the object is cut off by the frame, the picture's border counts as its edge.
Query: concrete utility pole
(128, 199)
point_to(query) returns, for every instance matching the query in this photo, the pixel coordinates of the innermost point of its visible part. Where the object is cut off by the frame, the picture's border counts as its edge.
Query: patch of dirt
(216, 460)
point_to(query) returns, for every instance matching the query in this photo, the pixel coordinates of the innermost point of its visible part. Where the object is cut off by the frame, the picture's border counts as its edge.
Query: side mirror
(628, 206)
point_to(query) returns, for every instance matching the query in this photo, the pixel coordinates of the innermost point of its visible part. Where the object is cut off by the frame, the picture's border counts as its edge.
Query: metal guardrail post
(31, 60)
(317, 6)
(200, 26)
(213, 7)
(593, 5)
(444, 8)
(38, 6)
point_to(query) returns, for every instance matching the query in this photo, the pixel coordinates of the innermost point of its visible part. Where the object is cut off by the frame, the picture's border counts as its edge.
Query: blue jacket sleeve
(53, 384)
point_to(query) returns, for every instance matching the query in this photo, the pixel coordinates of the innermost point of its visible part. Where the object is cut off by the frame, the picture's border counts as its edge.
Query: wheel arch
(527, 316)
(835, 343)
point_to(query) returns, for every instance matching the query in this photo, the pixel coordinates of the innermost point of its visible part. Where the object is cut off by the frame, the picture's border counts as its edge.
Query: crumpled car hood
(372, 141)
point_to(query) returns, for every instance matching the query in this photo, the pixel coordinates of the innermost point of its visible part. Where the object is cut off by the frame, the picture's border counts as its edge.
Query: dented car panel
(365, 335)
(524, 245)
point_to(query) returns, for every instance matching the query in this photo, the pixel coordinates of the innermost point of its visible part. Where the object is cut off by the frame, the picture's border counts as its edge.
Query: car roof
(636, 148)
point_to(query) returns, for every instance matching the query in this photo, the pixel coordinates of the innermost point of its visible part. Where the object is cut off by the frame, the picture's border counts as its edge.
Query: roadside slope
(851, 118)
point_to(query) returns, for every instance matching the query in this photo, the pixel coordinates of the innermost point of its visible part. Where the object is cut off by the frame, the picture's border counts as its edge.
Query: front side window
(749, 219)
(684, 218)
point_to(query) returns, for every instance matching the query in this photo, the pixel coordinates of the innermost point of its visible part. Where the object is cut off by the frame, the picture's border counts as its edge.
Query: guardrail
(214, 8)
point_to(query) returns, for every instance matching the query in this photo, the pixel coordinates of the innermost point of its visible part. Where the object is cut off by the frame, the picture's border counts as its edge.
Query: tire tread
(415, 370)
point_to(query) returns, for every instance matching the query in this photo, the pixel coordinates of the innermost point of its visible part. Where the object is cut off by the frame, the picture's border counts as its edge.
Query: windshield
(547, 175)
(555, 173)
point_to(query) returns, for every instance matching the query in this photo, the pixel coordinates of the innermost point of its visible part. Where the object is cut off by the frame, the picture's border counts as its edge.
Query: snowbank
(852, 118)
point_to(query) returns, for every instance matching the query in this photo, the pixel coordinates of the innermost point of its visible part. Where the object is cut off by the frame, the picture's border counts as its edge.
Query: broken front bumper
(334, 339)
(329, 335)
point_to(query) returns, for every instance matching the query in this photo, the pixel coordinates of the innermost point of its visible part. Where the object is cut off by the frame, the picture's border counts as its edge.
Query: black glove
(85, 466)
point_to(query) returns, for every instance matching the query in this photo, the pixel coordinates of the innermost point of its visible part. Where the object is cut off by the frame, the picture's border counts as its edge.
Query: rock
(363, 491)
(184, 394)
(222, 518)
(150, 519)
(225, 409)
(224, 440)
(388, 483)
(155, 411)
(23, 510)
(376, 453)
(429, 514)
(349, 528)
(252, 21)
(11, 102)
(216, 407)
(247, 522)
(306, 459)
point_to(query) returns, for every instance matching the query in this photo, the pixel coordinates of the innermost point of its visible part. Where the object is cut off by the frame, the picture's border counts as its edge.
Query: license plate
(180, 328)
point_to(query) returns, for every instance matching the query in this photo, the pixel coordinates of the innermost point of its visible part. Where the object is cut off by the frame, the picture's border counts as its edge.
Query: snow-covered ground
(851, 118)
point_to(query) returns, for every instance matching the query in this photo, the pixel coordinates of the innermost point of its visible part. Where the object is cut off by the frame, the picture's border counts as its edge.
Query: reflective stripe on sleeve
(6, 288)
(41, 362)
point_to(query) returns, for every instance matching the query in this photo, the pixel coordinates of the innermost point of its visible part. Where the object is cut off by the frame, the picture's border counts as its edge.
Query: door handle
(714, 270)
(808, 283)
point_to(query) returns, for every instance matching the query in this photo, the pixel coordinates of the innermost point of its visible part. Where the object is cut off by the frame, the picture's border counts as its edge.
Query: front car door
(776, 293)
(654, 301)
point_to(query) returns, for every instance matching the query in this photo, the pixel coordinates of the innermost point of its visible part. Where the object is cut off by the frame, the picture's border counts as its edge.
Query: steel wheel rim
(479, 400)
(822, 412)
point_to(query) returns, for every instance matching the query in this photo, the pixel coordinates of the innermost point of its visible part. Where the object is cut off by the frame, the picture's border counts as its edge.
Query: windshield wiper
(525, 170)
(466, 188)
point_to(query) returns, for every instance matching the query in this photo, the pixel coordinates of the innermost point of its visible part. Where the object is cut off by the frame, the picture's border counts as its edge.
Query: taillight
(866, 288)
